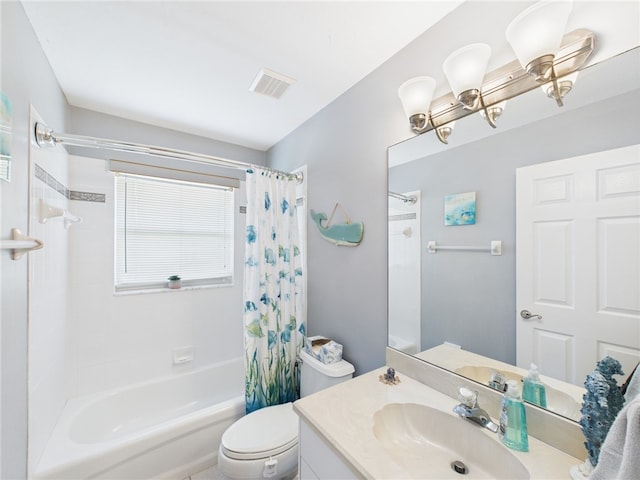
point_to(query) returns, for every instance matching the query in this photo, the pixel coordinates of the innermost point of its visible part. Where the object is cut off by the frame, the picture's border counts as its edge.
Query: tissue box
(324, 349)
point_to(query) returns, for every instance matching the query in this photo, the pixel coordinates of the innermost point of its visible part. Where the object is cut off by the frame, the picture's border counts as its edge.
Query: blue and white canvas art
(460, 209)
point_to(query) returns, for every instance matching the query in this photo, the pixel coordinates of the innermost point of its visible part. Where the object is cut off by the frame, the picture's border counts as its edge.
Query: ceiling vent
(270, 83)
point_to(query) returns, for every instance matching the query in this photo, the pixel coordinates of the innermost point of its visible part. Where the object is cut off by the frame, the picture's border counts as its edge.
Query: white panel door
(578, 263)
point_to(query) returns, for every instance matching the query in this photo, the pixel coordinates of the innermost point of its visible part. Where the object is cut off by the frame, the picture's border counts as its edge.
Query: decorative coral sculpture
(609, 367)
(601, 403)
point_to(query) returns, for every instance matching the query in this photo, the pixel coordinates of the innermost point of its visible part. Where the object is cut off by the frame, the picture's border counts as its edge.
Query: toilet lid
(265, 432)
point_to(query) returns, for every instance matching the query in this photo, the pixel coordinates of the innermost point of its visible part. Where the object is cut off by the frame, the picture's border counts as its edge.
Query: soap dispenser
(513, 419)
(533, 389)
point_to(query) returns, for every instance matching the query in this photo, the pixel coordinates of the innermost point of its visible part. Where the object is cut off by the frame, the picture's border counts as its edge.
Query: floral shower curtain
(274, 329)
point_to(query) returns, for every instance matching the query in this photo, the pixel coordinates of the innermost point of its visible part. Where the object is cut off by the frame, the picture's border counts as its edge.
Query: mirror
(449, 299)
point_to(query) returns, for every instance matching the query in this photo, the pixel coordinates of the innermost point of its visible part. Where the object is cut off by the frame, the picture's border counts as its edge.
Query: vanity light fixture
(415, 95)
(535, 36)
(564, 86)
(491, 114)
(546, 59)
(465, 69)
(444, 131)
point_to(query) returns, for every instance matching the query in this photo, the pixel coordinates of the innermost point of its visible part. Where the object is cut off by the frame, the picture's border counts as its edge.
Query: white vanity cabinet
(339, 439)
(318, 460)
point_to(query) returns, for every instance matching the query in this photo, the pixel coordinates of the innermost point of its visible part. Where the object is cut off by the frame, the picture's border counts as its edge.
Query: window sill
(169, 290)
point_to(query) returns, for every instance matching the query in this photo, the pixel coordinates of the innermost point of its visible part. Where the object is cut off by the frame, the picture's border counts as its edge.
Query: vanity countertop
(453, 358)
(343, 415)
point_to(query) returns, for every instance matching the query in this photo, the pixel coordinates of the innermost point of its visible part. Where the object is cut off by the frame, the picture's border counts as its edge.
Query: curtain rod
(46, 137)
(404, 198)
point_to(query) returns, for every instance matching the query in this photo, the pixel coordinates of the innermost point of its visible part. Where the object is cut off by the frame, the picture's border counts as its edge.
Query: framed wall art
(460, 209)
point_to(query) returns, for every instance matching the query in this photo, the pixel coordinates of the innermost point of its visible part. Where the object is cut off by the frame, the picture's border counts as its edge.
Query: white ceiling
(188, 65)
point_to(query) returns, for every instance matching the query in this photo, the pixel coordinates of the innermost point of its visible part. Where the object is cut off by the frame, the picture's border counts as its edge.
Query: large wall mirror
(460, 308)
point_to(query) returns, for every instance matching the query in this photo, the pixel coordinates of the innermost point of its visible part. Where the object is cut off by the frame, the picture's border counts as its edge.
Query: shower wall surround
(122, 338)
(49, 334)
(52, 374)
(44, 176)
(83, 337)
(404, 274)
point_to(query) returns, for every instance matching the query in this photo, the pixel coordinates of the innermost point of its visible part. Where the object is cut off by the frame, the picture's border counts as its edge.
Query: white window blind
(165, 228)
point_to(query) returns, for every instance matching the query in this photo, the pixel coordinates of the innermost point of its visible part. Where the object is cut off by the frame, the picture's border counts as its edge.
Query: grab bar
(494, 249)
(20, 244)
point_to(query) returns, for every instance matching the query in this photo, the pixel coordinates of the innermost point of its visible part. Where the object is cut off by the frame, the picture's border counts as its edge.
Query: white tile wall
(404, 275)
(123, 339)
(83, 338)
(49, 359)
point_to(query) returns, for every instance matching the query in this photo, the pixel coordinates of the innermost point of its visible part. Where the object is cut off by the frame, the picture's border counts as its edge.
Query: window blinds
(166, 227)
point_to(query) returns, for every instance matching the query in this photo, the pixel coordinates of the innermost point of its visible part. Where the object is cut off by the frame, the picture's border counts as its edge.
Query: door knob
(526, 314)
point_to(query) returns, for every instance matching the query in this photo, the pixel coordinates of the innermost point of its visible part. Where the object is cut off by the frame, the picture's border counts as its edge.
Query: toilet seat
(264, 443)
(262, 434)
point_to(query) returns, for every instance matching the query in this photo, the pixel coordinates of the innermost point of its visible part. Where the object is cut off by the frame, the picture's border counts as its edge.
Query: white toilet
(264, 444)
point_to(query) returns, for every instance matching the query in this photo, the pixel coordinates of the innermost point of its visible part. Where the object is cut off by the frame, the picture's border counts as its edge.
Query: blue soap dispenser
(513, 419)
(533, 390)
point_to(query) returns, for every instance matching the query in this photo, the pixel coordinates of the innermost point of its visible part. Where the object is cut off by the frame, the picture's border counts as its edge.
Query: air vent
(270, 83)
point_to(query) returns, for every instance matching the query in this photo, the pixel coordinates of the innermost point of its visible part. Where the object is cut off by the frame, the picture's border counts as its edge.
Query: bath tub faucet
(469, 409)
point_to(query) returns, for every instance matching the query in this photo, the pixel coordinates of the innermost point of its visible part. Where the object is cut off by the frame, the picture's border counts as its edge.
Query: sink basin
(426, 441)
(557, 401)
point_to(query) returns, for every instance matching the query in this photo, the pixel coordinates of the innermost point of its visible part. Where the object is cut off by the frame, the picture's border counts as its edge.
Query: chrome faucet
(469, 409)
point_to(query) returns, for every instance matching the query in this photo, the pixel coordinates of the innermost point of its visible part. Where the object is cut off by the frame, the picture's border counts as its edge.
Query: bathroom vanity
(563, 398)
(365, 428)
(319, 459)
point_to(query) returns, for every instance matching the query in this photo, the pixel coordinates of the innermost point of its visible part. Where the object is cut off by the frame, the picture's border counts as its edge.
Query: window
(166, 227)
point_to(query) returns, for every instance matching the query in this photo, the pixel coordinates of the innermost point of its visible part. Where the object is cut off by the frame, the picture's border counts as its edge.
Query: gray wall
(26, 79)
(345, 148)
(469, 298)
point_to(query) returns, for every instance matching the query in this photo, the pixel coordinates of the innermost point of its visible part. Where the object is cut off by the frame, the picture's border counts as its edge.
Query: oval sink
(426, 442)
(557, 401)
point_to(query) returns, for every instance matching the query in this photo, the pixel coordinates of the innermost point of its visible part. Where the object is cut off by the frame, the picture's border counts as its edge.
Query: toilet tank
(316, 376)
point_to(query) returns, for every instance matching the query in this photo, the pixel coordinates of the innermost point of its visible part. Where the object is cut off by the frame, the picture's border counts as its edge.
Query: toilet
(264, 443)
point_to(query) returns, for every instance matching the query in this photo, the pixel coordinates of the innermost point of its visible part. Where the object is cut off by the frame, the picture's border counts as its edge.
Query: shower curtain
(274, 329)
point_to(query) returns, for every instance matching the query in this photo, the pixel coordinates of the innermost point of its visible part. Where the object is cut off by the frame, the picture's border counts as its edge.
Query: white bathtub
(169, 428)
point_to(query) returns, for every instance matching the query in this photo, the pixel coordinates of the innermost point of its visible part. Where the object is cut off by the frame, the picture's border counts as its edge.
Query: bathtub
(169, 428)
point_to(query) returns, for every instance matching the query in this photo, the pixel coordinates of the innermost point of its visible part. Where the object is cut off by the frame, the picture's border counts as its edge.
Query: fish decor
(343, 234)
(601, 403)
